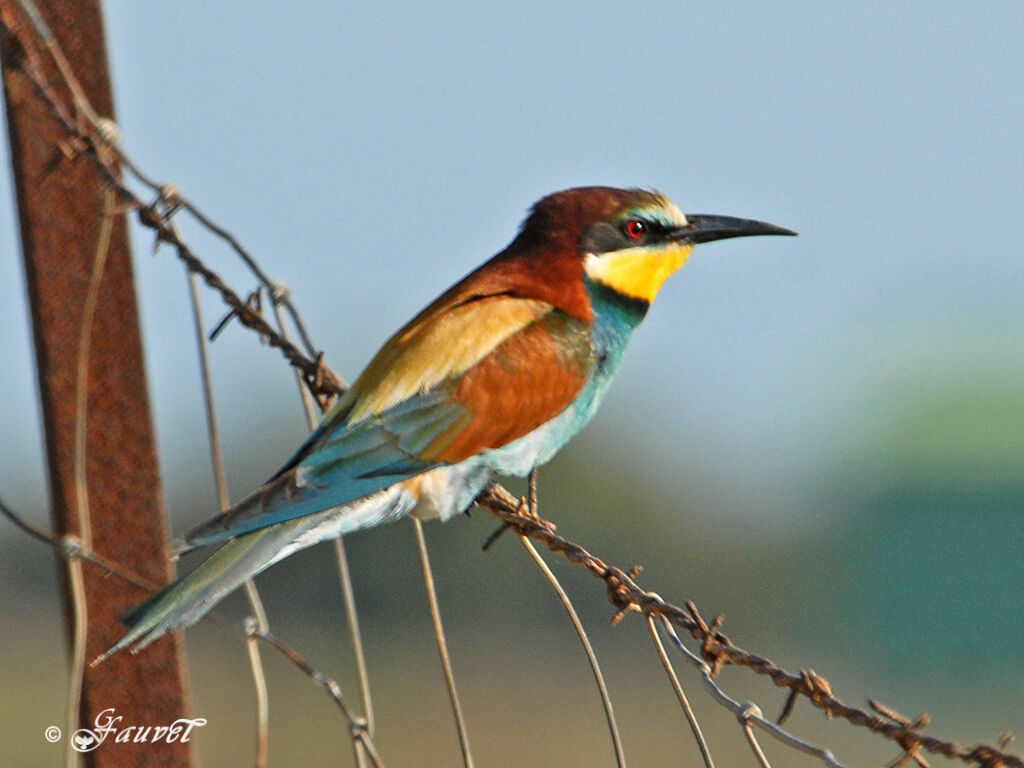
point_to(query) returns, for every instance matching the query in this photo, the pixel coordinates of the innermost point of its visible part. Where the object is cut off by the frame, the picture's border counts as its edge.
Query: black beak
(703, 228)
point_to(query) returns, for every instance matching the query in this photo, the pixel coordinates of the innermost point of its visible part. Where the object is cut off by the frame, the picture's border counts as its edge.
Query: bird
(492, 378)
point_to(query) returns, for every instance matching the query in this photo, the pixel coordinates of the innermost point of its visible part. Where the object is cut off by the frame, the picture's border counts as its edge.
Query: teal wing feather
(340, 463)
(381, 431)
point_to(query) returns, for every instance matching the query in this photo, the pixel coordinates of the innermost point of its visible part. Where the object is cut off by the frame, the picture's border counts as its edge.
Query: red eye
(634, 228)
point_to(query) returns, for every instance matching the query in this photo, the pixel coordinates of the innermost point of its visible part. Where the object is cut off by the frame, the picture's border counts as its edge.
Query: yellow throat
(637, 272)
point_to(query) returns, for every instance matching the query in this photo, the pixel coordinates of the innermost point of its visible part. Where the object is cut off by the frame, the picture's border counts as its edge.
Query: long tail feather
(302, 491)
(188, 599)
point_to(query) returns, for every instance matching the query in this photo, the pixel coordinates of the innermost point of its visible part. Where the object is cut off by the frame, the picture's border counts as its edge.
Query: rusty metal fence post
(60, 199)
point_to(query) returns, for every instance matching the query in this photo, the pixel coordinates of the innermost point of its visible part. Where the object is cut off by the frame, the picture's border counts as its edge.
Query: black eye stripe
(607, 236)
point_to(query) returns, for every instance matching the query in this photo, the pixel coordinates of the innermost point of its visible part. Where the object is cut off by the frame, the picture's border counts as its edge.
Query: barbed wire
(718, 650)
(92, 136)
(70, 547)
(95, 137)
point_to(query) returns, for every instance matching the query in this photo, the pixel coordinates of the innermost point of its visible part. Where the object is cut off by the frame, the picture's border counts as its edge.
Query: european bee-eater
(495, 376)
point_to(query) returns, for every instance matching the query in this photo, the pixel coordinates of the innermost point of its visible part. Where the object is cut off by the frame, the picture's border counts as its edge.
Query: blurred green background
(821, 438)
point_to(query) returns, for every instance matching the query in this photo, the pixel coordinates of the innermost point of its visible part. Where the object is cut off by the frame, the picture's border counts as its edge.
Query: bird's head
(629, 240)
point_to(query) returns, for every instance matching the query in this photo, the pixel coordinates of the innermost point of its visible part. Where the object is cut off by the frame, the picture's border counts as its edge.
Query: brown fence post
(60, 198)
